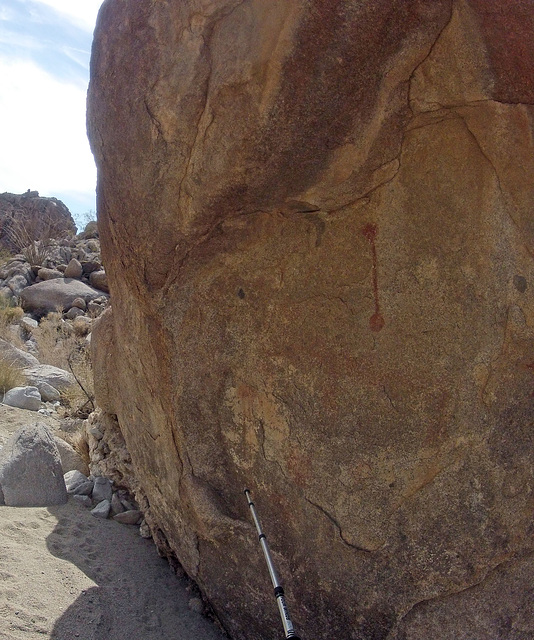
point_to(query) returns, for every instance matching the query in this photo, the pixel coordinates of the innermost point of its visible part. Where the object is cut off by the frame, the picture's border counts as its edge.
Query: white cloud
(42, 129)
(82, 12)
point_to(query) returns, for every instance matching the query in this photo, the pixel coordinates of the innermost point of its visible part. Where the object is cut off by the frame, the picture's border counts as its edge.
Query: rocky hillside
(319, 218)
(28, 217)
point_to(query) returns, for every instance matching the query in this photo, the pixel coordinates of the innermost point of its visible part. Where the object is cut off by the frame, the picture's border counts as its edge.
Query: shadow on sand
(136, 595)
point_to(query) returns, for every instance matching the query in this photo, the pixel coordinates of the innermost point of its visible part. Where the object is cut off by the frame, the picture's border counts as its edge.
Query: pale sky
(45, 49)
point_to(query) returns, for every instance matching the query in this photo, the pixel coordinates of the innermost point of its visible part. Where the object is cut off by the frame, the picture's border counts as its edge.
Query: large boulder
(30, 469)
(59, 293)
(330, 302)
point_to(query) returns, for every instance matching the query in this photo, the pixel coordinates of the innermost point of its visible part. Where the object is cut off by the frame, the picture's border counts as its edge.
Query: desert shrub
(10, 376)
(60, 345)
(55, 340)
(82, 395)
(33, 236)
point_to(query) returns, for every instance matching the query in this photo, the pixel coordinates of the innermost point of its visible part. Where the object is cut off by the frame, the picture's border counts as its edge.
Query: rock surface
(23, 398)
(44, 375)
(16, 356)
(331, 303)
(30, 469)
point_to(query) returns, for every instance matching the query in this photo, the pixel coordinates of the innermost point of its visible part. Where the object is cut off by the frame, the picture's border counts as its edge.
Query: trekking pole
(278, 590)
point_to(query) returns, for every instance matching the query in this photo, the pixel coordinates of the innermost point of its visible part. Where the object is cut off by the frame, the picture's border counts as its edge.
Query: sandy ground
(65, 574)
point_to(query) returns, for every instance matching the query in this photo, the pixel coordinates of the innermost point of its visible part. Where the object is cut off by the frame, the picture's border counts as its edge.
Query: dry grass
(55, 340)
(10, 376)
(60, 347)
(9, 315)
(78, 441)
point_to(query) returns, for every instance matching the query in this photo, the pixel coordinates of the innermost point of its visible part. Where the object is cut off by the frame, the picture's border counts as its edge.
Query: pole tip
(246, 491)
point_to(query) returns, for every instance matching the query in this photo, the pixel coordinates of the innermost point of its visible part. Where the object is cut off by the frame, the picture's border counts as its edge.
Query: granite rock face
(331, 303)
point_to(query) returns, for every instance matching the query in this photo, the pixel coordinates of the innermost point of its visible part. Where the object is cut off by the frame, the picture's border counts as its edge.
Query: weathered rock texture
(328, 205)
(30, 469)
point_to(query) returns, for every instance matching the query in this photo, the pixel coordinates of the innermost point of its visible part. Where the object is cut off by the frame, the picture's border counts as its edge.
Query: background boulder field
(316, 221)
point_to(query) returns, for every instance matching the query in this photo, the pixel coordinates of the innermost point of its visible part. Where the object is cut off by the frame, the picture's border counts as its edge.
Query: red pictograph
(376, 322)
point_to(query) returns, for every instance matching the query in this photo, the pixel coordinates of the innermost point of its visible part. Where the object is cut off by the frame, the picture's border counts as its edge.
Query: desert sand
(65, 574)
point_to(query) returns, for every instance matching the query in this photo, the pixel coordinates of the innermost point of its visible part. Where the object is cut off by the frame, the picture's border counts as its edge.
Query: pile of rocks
(44, 383)
(69, 277)
(99, 494)
(28, 216)
(39, 469)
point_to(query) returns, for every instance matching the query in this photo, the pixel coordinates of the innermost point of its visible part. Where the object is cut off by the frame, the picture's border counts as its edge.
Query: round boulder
(74, 269)
(80, 304)
(99, 280)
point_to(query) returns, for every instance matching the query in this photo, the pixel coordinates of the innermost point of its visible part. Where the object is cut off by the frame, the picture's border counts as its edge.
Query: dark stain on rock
(520, 283)
(241, 294)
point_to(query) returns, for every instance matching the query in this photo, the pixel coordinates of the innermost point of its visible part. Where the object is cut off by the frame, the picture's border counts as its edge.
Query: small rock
(84, 489)
(74, 269)
(128, 517)
(80, 303)
(102, 490)
(23, 398)
(73, 313)
(128, 505)
(17, 284)
(99, 280)
(28, 324)
(91, 265)
(96, 433)
(55, 377)
(102, 509)
(85, 500)
(48, 392)
(144, 530)
(49, 274)
(116, 505)
(31, 346)
(74, 479)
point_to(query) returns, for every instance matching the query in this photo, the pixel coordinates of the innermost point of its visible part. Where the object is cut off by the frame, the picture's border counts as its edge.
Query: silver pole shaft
(289, 630)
